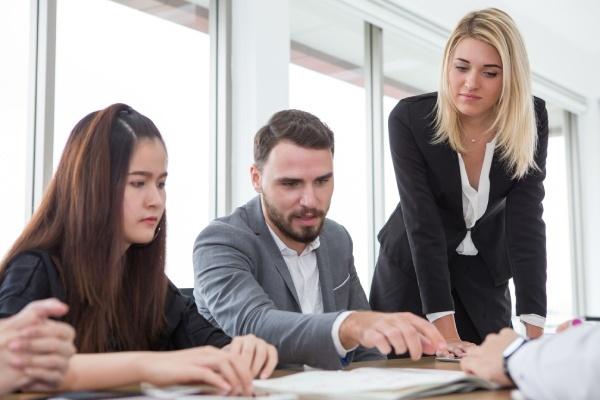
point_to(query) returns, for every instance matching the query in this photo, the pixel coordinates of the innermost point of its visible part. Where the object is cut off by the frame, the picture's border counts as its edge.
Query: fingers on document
(404, 332)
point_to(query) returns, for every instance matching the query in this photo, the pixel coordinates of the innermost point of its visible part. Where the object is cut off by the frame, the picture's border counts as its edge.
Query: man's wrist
(346, 331)
(508, 352)
(336, 334)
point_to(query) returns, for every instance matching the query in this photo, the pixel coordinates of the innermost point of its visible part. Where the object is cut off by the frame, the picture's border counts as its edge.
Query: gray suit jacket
(243, 286)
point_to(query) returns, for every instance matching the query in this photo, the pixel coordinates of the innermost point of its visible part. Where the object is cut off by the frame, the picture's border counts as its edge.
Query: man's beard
(307, 233)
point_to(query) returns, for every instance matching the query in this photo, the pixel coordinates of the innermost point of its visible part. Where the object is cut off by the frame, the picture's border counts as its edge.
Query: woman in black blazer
(470, 164)
(97, 243)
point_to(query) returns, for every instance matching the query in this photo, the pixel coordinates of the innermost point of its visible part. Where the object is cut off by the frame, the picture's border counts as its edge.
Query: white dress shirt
(475, 202)
(560, 366)
(305, 275)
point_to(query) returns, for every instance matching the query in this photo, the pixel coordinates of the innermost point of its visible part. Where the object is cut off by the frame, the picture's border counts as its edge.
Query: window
(409, 69)
(154, 57)
(14, 81)
(556, 216)
(326, 79)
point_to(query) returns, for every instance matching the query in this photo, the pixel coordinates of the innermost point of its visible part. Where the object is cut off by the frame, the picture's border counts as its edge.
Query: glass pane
(326, 79)
(14, 81)
(154, 57)
(556, 216)
(409, 68)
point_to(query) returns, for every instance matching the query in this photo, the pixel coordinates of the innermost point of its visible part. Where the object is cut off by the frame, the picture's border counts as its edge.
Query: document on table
(398, 383)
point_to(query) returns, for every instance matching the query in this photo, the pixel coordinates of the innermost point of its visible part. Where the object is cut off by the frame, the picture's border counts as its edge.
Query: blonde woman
(470, 165)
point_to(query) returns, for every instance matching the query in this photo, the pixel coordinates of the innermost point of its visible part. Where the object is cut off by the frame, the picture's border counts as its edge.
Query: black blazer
(428, 224)
(33, 276)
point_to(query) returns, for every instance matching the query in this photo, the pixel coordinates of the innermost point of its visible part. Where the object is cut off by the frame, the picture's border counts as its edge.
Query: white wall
(260, 64)
(560, 36)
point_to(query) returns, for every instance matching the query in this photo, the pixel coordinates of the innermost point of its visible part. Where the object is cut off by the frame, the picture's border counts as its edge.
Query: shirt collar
(286, 251)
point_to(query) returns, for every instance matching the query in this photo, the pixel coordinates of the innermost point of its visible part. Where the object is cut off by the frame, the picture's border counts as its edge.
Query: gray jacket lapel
(256, 221)
(325, 278)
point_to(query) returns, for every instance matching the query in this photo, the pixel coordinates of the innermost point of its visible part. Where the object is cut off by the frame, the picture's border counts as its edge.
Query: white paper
(357, 380)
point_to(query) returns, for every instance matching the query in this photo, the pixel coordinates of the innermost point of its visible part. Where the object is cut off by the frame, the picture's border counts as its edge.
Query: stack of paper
(371, 383)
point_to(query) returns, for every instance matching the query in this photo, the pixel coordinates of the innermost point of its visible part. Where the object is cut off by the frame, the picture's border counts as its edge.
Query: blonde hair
(514, 121)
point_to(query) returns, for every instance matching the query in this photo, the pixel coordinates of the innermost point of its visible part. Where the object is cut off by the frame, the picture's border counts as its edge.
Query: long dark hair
(116, 301)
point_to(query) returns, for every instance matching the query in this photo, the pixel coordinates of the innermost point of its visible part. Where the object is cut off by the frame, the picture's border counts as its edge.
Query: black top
(423, 232)
(33, 276)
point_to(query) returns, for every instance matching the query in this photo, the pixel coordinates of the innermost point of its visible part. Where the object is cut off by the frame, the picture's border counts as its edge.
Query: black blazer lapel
(442, 158)
(452, 184)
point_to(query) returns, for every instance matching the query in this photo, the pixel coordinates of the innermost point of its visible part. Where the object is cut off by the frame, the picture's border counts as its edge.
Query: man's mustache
(308, 212)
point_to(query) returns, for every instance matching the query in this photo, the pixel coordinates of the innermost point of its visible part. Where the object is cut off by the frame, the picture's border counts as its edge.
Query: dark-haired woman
(97, 242)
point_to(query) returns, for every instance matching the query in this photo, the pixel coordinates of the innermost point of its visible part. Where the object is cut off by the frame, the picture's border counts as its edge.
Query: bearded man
(279, 269)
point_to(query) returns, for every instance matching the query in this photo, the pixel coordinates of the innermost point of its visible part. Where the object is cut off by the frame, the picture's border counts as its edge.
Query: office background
(211, 72)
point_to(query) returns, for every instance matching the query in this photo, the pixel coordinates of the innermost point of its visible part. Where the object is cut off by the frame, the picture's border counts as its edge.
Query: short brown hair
(299, 127)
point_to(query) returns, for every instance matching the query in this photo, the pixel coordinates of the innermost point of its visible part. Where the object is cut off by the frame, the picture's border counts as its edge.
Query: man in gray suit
(277, 268)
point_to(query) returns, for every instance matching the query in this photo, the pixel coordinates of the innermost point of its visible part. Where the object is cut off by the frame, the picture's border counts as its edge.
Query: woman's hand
(44, 351)
(258, 355)
(38, 349)
(532, 331)
(568, 324)
(205, 364)
(455, 348)
(11, 378)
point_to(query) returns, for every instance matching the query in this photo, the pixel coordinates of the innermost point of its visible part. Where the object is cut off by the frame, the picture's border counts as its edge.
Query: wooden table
(427, 362)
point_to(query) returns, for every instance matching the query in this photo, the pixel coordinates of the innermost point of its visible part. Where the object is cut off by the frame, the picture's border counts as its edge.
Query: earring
(156, 233)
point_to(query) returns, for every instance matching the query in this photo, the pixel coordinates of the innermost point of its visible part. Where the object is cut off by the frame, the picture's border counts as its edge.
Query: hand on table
(35, 350)
(568, 324)
(486, 361)
(397, 332)
(206, 364)
(455, 348)
(259, 356)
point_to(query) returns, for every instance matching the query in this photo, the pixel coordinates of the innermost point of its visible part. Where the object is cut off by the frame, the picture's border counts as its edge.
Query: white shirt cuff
(522, 366)
(533, 319)
(335, 334)
(437, 315)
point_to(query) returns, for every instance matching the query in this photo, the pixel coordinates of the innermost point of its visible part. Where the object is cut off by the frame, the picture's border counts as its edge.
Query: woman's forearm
(447, 327)
(101, 371)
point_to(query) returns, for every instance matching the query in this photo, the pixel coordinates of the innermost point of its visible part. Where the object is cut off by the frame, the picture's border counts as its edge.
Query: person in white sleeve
(561, 366)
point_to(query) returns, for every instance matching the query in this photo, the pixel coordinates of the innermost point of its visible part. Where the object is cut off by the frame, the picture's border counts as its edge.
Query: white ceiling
(563, 37)
(576, 21)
